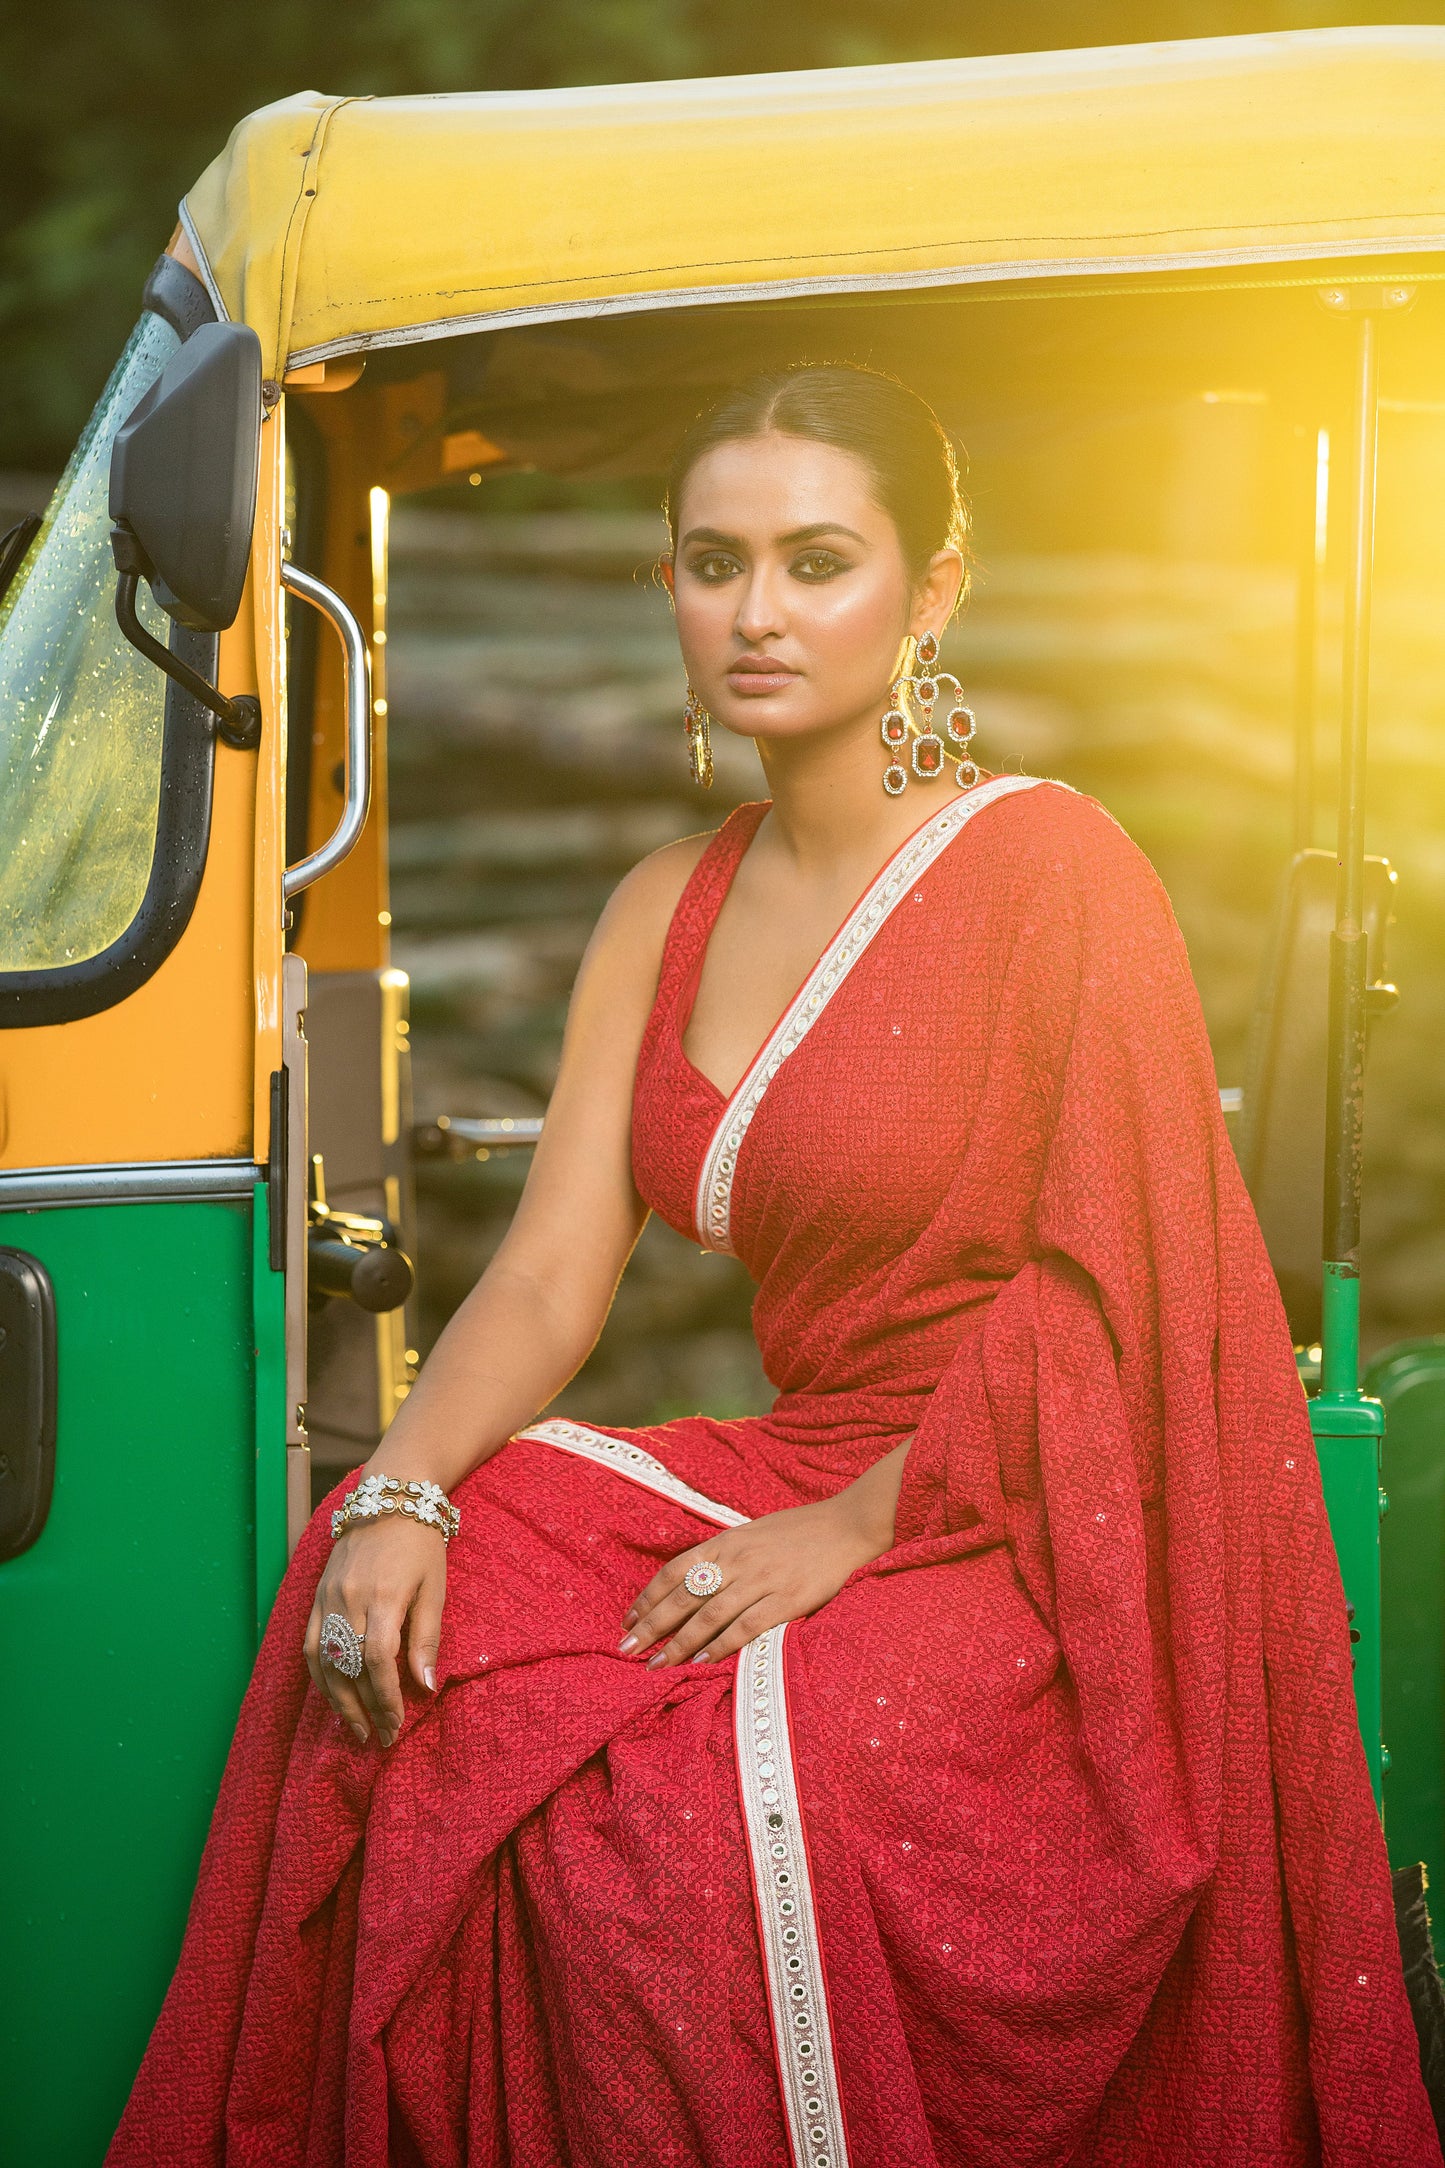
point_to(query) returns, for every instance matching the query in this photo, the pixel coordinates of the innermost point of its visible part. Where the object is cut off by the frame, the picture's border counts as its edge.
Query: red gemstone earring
(923, 686)
(697, 724)
(894, 728)
(927, 746)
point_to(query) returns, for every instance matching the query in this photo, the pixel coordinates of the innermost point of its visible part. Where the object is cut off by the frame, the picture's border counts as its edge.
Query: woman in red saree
(1004, 1805)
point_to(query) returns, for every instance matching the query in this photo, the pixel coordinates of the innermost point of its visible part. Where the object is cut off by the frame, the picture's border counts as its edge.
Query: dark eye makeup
(713, 566)
(817, 565)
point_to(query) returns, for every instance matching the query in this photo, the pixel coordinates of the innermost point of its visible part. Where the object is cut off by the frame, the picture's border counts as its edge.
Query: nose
(760, 614)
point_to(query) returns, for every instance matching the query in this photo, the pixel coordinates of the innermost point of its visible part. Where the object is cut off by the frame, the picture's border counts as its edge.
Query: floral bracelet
(378, 1494)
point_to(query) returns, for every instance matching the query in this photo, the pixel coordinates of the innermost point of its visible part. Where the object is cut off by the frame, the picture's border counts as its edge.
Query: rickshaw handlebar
(358, 732)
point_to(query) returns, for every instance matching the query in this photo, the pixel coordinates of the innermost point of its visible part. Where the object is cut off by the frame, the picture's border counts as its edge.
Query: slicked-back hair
(892, 431)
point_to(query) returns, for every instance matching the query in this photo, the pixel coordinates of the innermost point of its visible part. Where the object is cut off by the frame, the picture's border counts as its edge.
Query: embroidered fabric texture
(719, 1168)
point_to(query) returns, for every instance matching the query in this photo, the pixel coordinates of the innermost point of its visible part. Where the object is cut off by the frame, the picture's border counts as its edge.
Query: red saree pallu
(1049, 1840)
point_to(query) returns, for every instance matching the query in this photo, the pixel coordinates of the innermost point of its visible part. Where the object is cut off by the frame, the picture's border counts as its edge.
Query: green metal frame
(130, 1627)
(1410, 1382)
(1349, 1426)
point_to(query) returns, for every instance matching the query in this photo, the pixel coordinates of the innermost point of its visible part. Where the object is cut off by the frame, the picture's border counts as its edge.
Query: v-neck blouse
(842, 1062)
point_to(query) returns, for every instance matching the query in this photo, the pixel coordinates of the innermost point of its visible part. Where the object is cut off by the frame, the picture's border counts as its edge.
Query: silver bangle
(375, 1495)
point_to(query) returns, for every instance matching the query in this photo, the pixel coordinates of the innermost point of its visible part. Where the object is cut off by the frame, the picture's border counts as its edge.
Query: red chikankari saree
(1049, 1839)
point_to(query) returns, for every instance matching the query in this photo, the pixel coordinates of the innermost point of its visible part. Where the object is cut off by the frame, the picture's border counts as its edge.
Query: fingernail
(629, 1643)
(659, 1658)
(431, 1678)
(360, 1730)
(702, 1657)
(631, 1617)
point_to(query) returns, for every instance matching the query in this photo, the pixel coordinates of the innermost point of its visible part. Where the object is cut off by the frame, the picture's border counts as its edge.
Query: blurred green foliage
(108, 112)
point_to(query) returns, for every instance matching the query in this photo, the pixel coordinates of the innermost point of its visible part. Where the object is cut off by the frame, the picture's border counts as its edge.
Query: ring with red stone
(703, 1579)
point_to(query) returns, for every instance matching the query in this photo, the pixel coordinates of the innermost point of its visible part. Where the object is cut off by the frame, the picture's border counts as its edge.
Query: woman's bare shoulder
(656, 882)
(633, 927)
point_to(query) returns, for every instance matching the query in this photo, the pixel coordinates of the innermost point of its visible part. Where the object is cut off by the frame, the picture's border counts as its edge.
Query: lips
(754, 675)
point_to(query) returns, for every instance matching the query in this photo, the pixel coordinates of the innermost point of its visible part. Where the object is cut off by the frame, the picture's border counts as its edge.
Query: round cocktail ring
(341, 1645)
(703, 1579)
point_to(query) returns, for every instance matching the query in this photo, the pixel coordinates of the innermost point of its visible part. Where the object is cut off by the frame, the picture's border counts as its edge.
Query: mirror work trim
(183, 820)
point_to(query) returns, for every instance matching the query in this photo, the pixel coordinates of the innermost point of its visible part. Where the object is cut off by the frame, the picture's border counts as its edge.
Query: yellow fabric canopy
(332, 225)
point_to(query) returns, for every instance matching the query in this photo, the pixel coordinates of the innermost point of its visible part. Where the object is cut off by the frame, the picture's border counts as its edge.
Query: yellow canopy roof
(332, 225)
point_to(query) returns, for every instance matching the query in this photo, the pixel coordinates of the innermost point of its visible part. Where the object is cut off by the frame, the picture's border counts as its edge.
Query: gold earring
(697, 723)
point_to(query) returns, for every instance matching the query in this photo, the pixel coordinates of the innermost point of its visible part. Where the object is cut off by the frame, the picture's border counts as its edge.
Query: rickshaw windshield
(82, 714)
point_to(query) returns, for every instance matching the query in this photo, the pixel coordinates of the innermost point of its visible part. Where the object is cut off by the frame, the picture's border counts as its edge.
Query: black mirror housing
(183, 477)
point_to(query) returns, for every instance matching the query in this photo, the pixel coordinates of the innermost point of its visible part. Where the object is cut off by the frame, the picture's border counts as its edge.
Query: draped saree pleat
(1048, 1842)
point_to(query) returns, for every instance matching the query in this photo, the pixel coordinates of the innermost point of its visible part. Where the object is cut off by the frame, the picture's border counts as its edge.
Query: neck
(830, 809)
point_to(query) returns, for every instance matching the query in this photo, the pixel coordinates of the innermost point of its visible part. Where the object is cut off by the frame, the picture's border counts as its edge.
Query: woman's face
(792, 595)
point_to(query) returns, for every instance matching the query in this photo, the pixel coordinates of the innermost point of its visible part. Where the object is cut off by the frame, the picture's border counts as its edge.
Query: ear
(936, 597)
(666, 572)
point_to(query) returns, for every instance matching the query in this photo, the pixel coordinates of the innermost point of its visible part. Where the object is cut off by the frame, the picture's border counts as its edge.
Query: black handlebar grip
(377, 1277)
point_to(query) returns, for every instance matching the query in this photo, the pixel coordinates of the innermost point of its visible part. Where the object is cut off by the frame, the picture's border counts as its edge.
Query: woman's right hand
(387, 1579)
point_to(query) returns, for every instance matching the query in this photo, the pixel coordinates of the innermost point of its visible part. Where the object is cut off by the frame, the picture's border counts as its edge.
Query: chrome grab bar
(343, 838)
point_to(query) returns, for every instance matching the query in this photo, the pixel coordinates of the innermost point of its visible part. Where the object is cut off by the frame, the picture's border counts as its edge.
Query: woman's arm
(534, 1315)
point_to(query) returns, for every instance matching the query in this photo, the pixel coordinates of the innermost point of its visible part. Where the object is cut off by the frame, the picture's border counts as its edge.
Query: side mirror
(184, 470)
(183, 477)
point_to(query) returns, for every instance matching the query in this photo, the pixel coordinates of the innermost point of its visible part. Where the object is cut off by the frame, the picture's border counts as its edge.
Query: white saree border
(712, 1207)
(632, 1461)
(773, 1820)
(787, 1917)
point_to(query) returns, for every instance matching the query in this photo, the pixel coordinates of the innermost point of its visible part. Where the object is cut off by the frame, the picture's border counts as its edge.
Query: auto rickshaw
(205, 1210)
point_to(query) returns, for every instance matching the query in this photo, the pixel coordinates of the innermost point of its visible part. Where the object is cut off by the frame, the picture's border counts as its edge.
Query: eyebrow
(795, 534)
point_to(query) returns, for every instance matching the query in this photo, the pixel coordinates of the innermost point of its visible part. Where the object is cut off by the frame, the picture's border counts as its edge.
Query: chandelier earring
(921, 690)
(697, 724)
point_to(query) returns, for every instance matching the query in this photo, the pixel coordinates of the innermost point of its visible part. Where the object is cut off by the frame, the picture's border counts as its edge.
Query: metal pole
(1348, 1424)
(1344, 1117)
(1307, 614)
(1314, 500)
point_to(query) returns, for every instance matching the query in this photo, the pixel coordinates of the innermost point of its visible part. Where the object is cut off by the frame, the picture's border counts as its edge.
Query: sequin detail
(792, 1954)
(712, 1212)
(630, 1460)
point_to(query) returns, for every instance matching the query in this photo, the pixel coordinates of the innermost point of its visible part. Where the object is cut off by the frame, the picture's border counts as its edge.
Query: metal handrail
(343, 837)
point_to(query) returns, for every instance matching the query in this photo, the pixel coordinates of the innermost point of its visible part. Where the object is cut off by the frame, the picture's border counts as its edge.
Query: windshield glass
(81, 713)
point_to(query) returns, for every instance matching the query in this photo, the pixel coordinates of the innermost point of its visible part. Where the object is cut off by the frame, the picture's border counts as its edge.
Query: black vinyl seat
(1280, 1131)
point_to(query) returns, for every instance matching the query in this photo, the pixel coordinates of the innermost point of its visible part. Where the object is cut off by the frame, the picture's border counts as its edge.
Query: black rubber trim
(60, 994)
(183, 833)
(14, 545)
(177, 295)
(277, 1168)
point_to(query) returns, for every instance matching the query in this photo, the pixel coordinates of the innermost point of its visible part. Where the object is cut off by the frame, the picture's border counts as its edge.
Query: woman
(957, 1764)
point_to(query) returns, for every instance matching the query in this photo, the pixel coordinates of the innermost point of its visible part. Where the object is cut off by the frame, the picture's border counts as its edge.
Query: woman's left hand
(782, 1566)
